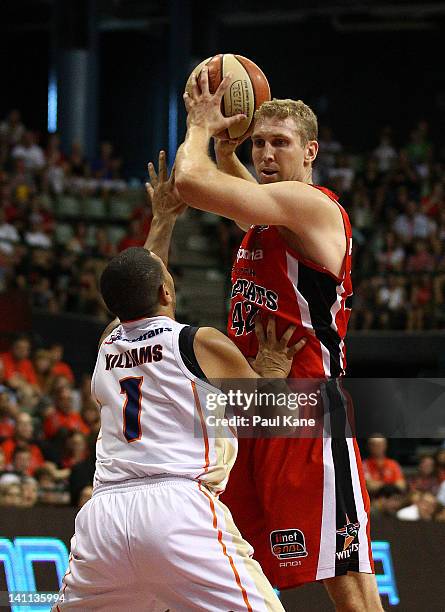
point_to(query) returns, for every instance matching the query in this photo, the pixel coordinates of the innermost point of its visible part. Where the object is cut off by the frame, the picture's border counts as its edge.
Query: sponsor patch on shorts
(288, 543)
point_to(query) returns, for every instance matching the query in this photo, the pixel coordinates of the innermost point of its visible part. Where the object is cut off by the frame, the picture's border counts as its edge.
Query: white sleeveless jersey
(154, 415)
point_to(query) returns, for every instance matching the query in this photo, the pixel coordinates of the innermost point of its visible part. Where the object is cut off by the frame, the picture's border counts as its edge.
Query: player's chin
(268, 178)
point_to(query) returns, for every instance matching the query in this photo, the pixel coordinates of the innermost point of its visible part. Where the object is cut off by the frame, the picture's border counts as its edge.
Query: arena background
(113, 71)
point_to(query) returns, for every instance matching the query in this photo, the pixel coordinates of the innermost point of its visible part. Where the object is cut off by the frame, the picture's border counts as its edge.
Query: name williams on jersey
(133, 357)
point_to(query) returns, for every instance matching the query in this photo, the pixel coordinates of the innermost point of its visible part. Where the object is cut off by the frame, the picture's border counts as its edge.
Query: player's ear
(310, 151)
(165, 296)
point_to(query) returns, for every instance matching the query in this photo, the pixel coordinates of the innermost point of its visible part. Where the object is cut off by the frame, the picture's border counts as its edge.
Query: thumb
(234, 120)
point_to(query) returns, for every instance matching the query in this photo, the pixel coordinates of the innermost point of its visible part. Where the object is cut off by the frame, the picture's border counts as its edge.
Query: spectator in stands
(103, 247)
(75, 450)
(385, 152)
(434, 202)
(342, 173)
(30, 152)
(387, 501)
(50, 491)
(23, 439)
(30, 492)
(12, 128)
(21, 461)
(440, 462)
(8, 413)
(78, 243)
(11, 495)
(8, 232)
(421, 295)
(60, 367)
(134, 236)
(43, 364)
(102, 166)
(63, 419)
(81, 476)
(37, 237)
(392, 255)
(391, 300)
(423, 508)
(379, 469)
(426, 478)
(422, 260)
(329, 148)
(419, 148)
(17, 363)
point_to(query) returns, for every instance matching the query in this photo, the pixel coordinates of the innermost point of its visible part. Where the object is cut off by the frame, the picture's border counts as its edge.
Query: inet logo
(18, 557)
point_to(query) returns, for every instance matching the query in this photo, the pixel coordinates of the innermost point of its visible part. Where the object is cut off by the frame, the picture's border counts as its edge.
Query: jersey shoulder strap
(187, 352)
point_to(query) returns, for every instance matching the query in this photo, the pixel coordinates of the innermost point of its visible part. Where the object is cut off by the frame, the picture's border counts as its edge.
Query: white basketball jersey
(154, 410)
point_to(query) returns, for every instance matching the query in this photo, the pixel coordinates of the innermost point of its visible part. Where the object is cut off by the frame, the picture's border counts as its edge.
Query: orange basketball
(248, 90)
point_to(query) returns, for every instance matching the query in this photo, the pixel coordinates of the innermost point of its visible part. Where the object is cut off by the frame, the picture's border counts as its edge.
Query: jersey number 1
(131, 387)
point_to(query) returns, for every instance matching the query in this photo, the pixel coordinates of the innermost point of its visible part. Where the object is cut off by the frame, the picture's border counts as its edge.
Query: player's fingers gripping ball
(248, 89)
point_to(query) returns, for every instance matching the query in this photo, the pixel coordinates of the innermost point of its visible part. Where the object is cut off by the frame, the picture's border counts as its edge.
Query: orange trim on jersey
(203, 426)
(224, 549)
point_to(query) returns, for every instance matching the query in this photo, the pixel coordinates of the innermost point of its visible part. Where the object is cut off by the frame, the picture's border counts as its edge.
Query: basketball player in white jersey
(155, 536)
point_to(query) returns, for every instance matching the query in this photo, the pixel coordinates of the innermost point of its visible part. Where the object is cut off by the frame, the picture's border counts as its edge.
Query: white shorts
(160, 544)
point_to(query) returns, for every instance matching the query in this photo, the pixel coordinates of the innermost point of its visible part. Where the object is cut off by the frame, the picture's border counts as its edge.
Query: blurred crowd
(48, 428)
(409, 495)
(58, 259)
(395, 196)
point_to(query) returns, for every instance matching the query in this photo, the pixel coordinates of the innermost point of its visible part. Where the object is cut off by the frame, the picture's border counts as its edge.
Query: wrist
(273, 373)
(198, 130)
(164, 219)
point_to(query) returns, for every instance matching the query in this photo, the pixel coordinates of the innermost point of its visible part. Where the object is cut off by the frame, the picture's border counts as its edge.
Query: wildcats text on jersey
(133, 357)
(255, 293)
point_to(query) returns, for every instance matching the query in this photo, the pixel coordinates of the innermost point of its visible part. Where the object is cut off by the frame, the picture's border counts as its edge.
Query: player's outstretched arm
(220, 358)
(166, 205)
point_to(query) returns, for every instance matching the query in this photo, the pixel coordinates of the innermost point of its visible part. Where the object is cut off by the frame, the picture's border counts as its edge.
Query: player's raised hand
(204, 108)
(275, 356)
(164, 197)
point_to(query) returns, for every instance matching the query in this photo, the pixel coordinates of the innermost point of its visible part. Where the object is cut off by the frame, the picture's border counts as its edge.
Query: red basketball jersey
(271, 278)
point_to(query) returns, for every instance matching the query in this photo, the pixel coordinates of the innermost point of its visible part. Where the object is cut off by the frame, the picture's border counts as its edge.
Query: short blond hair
(301, 113)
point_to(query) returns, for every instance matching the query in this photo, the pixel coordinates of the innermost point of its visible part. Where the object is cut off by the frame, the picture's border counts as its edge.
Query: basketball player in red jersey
(294, 261)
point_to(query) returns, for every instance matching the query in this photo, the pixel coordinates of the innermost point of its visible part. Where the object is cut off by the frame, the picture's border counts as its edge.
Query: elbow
(189, 186)
(184, 183)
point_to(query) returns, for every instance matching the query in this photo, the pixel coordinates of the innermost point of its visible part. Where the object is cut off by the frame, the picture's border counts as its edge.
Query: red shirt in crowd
(63, 369)
(58, 420)
(386, 471)
(23, 367)
(7, 427)
(130, 241)
(37, 459)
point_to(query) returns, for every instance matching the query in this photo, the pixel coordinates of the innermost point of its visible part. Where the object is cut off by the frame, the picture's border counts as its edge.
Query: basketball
(248, 90)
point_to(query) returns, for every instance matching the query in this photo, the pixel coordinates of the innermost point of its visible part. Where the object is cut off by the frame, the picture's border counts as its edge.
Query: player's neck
(165, 311)
(307, 176)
